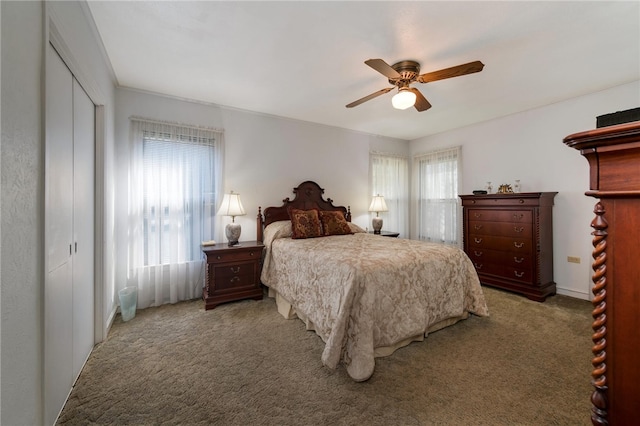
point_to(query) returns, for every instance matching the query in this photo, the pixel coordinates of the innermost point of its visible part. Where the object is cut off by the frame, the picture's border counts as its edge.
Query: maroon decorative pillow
(305, 223)
(334, 223)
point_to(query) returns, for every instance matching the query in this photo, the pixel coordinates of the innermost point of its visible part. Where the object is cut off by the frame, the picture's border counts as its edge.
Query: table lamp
(377, 205)
(231, 206)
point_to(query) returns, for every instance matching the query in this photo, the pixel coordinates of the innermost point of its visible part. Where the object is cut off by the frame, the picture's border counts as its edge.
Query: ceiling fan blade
(422, 104)
(383, 68)
(470, 68)
(369, 97)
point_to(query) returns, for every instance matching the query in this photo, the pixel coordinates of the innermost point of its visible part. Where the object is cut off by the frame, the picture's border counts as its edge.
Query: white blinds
(175, 180)
(390, 178)
(438, 188)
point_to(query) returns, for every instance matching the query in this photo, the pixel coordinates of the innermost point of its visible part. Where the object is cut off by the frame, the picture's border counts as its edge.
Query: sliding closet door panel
(58, 340)
(83, 225)
(59, 168)
(58, 315)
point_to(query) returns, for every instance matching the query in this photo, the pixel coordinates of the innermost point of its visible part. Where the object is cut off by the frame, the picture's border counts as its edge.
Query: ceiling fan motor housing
(408, 70)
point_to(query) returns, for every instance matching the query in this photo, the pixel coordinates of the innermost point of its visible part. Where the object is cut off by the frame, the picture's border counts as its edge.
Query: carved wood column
(599, 337)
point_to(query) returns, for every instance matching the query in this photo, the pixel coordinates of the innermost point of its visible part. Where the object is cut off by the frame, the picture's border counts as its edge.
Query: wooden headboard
(308, 196)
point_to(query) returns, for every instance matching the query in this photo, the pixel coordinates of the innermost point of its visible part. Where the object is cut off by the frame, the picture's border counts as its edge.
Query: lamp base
(232, 231)
(376, 222)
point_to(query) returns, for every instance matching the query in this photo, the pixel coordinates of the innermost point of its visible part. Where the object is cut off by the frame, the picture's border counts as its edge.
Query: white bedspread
(364, 291)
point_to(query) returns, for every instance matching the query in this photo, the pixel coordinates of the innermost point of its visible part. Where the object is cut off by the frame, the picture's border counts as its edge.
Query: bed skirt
(288, 311)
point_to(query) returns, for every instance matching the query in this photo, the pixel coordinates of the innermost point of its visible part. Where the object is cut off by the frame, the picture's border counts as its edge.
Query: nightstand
(386, 233)
(233, 273)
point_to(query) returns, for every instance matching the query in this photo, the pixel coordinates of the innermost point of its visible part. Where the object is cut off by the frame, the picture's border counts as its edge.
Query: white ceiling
(305, 60)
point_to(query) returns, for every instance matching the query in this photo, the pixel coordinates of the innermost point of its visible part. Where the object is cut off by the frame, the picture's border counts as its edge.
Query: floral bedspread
(364, 291)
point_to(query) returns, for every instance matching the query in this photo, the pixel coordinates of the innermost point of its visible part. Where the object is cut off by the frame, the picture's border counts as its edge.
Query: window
(174, 181)
(390, 178)
(438, 188)
(178, 206)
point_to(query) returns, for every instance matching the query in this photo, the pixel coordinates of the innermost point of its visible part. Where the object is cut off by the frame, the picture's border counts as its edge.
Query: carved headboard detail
(308, 195)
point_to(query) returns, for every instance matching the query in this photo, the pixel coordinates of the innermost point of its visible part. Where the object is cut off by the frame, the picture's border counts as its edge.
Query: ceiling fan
(403, 73)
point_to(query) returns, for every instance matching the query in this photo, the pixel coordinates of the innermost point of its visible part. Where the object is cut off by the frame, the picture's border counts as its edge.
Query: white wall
(24, 34)
(22, 214)
(265, 158)
(528, 146)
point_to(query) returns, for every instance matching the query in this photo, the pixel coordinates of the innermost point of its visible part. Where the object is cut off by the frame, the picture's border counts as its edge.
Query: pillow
(275, 230)
(305, 223)
(334, 223)
(355, 228)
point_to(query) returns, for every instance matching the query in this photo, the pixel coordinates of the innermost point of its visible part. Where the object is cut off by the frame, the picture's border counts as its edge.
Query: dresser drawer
(501, 229)
(516, 260)
(509, 244)
(525, 275)
(234, 256)
(523, 216)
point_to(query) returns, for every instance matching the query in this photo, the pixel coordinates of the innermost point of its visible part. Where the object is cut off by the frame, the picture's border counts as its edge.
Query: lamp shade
(231, 205)
(378, 204)
(403, 99)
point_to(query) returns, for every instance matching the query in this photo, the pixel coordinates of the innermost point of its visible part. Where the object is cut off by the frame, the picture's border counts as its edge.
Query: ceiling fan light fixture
(404, 99)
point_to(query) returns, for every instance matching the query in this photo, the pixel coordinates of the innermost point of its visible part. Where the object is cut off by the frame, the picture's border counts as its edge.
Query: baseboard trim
(573, 293)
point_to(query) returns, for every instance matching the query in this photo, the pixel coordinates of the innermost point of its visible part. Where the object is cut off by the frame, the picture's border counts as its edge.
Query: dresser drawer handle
(235, 270)
(477, 215)
(478, 266)
(515, 228)
(519, 275)
(251, 254)
(518, 259)
(477, 227)
(518, 245)
(521, 201)
(218, 257)
(477, 253)
(477, 240)
(518, 216)
(234, 279)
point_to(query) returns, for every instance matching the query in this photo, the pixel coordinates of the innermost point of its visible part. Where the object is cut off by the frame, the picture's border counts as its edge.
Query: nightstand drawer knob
(477, 215)
(251, 253)
(218, 257)
(515, 228)
(477, 253)
(518, 259)
(234, 279)
(518, 216)
(519, 275)
(518, 245)
(477, 227)
(477, 240)
(235, 270)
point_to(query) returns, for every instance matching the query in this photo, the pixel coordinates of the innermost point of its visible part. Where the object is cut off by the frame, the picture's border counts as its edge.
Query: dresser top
(510, 195)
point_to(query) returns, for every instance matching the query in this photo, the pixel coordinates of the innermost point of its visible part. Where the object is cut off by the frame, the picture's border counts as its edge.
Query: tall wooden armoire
(613, 154)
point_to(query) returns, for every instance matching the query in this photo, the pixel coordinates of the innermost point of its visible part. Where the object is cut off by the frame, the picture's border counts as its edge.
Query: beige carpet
(243, 364)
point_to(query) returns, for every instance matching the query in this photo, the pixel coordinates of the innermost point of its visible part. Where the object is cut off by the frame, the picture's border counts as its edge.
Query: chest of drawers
(509, 239)
(232, 273)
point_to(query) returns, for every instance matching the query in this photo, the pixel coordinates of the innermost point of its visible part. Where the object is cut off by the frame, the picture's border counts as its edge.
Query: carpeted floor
(243, 364)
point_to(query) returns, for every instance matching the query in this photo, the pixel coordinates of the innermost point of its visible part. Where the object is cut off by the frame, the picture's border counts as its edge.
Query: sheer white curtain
(390, 178)
(438, 179)
(174, 183)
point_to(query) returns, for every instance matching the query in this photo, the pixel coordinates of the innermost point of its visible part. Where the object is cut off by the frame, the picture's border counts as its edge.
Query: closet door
(69, 232)
(58, 315)
(83, 226)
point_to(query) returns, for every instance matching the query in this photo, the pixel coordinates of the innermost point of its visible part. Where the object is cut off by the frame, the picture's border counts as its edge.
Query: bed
(365, 295)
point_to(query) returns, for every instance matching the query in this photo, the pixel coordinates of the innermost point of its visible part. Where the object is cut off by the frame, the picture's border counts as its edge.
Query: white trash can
(128, 301)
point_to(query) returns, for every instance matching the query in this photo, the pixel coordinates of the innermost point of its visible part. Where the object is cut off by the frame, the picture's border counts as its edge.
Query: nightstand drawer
(233, 270)
(235, 255)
